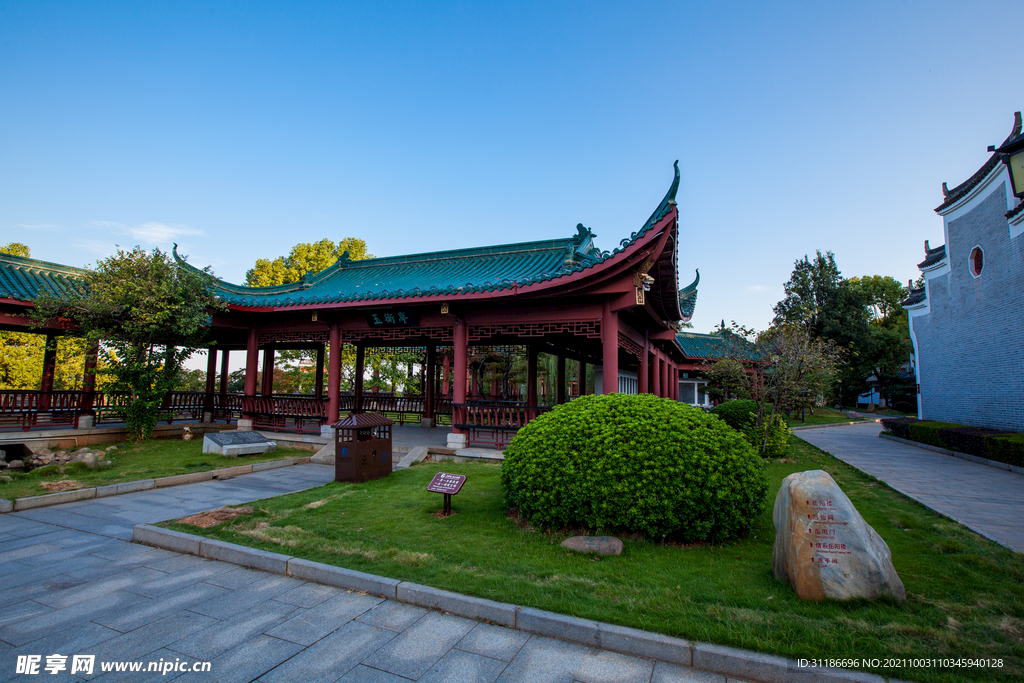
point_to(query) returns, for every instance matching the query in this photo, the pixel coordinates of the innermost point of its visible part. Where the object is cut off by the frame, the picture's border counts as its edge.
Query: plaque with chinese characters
(392, 318)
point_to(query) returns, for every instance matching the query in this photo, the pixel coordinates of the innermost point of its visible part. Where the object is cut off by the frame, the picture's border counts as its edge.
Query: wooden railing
(301, 412)
(494, 422)
(289, 413)
(28, 409)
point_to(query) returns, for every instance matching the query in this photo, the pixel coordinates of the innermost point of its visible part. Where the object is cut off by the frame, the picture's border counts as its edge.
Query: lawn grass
(965, 593)
(145, 460)
(821, 416)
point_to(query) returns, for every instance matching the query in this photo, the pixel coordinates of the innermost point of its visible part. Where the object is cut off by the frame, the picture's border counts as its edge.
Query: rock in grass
(602, 545)
(824, 548)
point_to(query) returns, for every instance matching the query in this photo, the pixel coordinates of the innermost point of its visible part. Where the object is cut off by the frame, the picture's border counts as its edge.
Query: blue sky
(240, 129)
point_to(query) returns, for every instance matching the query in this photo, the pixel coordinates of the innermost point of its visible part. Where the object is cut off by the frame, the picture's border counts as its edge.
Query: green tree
(830, 307)
(304, 258)
(16, 249)
(152, 314)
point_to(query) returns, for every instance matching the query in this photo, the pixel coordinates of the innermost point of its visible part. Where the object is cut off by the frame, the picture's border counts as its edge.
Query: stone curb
(800, 428)
(30, 502)
(721, 660)
(454, 603)
(414, 456)
(956, 454)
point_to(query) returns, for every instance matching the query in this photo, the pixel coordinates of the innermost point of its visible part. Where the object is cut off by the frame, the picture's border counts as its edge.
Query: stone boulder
(90, 459)
(824, 548)
(602, 545)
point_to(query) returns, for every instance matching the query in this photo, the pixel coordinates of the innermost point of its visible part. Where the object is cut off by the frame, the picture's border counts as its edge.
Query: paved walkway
(985, 499)
(71, 583)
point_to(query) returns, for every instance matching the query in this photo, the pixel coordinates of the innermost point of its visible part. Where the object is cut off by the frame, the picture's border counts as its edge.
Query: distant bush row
(994, 444)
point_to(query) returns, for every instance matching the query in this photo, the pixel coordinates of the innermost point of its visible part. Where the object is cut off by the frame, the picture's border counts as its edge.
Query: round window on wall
(977, 261)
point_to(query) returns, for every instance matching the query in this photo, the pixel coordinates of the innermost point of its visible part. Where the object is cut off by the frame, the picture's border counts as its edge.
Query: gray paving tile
(545, 660)
(331, 657)
(417, 648)
(148, 610)
(672, 673)
(13, 614)
(306, 626)
(27, 550)
(137, 644)
(27, 630)
(237, 577)
(493, 641)
(15, 525)
(78, 639)
(166, 583)
(93, 589)
(393, 615)
(458, 666)
(309, 595)
(222, 636)
(364, 674)
(230, 603)
(600, 666)
(245, 662)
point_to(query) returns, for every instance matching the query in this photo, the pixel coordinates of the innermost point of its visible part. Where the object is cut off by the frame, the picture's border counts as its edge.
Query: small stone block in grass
(602, 545)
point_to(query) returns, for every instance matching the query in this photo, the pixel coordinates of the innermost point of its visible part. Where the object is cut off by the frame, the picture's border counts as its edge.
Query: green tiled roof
(455, 272)
(25, 278)
(688, 297)
(715, 346)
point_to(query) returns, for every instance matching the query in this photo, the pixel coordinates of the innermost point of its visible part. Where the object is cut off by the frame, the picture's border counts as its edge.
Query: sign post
(449, 485)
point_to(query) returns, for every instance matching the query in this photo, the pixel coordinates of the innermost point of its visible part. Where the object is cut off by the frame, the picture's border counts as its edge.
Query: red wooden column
(211, 384)
(531, 376)
(673, 382)
(224, 371)
(642, 384)
(428, 385)
(86, 414)
(49, 368)
(252, 362)
(268, 371)
(656, 375)
(609, 349)
(357, 379)
(446, 375)
(460, 342)
(318, 381)
(663, 368)
(333, 373)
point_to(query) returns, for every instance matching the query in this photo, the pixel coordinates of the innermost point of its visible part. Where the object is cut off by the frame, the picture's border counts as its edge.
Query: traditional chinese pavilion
(619, 311)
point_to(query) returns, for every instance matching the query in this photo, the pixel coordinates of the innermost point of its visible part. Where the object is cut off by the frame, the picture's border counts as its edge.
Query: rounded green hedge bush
(635, 463)
(741, 416)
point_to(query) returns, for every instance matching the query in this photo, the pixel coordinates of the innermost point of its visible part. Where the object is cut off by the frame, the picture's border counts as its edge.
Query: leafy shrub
(898, 426)
(926, 431)
(737, 414)
(742, 416)
(1008, 449)
(973, 440)
(635, 463)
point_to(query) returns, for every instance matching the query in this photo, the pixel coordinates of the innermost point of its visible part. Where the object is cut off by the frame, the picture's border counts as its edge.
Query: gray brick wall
(971, 345)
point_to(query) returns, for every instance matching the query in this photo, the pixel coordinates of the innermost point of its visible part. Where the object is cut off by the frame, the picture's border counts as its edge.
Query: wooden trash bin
(362, 447)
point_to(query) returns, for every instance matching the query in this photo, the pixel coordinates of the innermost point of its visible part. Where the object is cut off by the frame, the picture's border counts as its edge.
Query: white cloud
(152, 232)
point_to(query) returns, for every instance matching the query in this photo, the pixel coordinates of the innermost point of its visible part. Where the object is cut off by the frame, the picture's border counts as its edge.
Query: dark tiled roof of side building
(916, 297)
(932, 256)
(1015, 210)
(961, 190)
